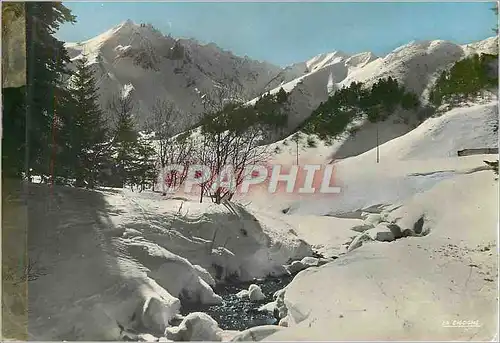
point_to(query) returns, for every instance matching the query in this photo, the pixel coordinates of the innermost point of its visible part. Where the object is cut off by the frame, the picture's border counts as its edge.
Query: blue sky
(283, 33)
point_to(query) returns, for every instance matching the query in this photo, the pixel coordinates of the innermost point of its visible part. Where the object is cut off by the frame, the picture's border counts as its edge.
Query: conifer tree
(46, 69)
(143, 169)
(84, 126)
(29, 112)
(125, 140)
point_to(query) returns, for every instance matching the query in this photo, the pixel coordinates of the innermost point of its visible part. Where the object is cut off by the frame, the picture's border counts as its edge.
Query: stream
(240, 314)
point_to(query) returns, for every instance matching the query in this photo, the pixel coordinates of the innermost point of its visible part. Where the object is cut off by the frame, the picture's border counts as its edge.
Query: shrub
(332, 117)
(311, 142)
(466, 78)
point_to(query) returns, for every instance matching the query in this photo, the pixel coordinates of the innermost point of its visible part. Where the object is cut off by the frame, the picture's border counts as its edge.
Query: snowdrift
(438, 287)
(226, 241)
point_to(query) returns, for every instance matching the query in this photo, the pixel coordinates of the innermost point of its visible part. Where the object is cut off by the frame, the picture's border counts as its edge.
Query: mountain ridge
(148, 65)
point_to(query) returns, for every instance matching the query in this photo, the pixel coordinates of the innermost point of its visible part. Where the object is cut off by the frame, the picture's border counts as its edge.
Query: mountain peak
(321, 60)
(127, 22)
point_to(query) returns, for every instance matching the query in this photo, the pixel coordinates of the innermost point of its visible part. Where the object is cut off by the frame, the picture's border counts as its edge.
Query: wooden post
(378, 154)
(297, 144)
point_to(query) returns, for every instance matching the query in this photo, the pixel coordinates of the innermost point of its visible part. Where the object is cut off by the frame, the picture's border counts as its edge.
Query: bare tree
(171, 149)
(210, 152)
(163, 124)
(179, 151)
(229, 136)
(233, 138)
(247, 151)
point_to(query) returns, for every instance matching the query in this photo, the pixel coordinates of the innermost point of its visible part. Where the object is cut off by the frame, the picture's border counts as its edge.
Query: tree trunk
(91, 183)
(79, 182)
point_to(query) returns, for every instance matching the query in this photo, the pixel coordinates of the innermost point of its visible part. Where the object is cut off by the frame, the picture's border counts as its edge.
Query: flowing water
(240, 314)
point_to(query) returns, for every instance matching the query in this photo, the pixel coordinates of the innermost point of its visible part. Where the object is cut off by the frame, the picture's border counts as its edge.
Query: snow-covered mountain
(415, 65)
(140, 60)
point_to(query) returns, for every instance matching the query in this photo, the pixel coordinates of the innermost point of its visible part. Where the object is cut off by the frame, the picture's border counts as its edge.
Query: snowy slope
(415, 287)
(443, 136)
(409, 163)
(439, 287)
(155, 67)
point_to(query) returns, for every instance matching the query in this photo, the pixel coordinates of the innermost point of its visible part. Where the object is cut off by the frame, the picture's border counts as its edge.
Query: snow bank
(256, 334)
(196, 326)
(175, 274)
(225, 241)
(255, 293)
(84, 286)
(414, 288)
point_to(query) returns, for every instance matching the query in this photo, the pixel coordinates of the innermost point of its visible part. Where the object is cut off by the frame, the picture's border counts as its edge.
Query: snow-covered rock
(295, 267)
(242, 294)
(196, 326)
(162, 264)
(146, 337)
(283, 322)
(255, 293)
(204, 275)
(156, 313)
(129, 233)
(280, 303)
(372, 219)
(228, 335)
(269, 307)
(358, 241)
(257, 333)
(310, 261)
(362, 227)
(381, 233)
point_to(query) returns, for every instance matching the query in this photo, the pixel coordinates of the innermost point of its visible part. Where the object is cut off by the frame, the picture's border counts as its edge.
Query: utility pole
(378, 154)
(297, 153)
